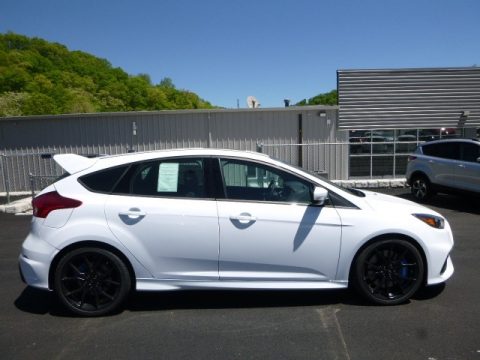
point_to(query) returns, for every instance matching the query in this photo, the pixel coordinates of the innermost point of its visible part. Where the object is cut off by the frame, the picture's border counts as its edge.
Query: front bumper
(444, 275)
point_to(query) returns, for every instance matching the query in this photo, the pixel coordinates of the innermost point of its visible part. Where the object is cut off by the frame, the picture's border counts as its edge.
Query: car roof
(75, 163)
(440, 141)
(138, 156)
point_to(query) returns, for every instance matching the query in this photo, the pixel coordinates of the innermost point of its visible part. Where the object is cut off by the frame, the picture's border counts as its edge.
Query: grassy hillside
(330, 98)
(39, 77)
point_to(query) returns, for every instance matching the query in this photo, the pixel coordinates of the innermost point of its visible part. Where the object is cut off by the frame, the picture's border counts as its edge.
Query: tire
(388, 272)
(91, 281)
(421, 188)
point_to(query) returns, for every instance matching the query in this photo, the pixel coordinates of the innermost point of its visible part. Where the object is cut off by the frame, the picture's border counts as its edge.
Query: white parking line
(337, 347)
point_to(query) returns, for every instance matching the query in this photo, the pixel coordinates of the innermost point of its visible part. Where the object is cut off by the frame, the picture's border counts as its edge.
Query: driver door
(269, 228)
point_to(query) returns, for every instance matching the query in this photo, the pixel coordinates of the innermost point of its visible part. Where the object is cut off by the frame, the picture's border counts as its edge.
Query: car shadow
(429, 292)
(236, 299)
(36, 301)
(460, 203)
(41, 302)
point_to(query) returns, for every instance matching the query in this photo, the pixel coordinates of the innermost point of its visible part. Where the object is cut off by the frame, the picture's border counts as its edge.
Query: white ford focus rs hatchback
(222, 219)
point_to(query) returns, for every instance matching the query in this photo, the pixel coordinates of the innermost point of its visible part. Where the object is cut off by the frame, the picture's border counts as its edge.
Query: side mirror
(478, 159)
(320, 195)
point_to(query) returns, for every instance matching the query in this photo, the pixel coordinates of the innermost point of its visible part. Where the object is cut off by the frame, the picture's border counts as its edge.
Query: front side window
(165, 178)
(470, 152)
(257, 182)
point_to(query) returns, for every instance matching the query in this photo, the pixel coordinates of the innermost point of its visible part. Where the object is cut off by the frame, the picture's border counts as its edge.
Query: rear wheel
(388, 272)
(91, 281)
(421, 188)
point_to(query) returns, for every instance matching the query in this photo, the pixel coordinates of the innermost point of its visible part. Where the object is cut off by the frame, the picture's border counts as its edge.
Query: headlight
(432, 220)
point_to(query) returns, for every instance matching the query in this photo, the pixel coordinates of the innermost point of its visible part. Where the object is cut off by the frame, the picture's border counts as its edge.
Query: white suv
(450, 165)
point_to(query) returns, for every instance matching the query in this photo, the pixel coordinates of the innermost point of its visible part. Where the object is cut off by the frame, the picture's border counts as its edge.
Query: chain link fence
(347, 160)
(28, 172)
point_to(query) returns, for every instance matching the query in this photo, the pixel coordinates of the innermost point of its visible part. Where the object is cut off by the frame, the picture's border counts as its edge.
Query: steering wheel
(274, 191)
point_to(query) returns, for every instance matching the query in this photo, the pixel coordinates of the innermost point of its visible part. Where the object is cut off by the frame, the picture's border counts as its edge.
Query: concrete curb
(18, 206)
(376, 183)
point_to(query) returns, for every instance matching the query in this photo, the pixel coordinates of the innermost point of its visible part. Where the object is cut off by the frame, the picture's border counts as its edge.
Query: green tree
(11, 103)
(40, 77)
(38, 103)
(329, 98)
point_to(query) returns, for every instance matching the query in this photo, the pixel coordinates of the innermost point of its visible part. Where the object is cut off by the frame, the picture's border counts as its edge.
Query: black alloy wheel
(91, 281)
(389, 272)
(421, 188)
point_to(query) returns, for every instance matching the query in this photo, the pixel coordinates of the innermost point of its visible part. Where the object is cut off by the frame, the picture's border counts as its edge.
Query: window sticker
(168, 177)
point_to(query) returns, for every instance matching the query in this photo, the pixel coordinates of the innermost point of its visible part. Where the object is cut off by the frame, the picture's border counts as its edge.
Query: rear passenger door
(468, 169)
(163, 212)
(443, 162)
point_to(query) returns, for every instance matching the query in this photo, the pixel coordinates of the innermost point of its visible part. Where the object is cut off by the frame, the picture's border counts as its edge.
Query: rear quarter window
(103, 181)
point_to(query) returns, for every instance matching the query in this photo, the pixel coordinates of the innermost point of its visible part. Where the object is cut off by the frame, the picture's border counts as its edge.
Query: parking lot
(439, 323)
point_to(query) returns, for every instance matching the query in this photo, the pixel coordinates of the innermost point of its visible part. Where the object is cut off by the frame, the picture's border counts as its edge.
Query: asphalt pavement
(442, 322)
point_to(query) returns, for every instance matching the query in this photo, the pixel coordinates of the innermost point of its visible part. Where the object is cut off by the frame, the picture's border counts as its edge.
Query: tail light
(411, 157)
(46, 203)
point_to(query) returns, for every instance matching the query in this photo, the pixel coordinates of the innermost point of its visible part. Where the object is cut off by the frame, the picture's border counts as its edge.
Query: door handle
(243, 218)
(461, 165)
(133, 213)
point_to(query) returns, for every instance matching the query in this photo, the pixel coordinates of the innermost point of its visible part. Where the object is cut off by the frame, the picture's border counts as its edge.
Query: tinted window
(470, 152)
(253, 181)
(104, 180)
(448, 150)
(168, 178)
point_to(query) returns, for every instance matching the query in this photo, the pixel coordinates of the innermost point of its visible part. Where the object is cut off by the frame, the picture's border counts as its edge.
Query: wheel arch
(418, 173)
(391, 236)
(95, 244)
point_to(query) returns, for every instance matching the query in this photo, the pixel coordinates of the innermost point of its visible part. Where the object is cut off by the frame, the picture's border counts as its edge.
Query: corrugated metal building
(388, 112)
(291, 134)
(409, 98)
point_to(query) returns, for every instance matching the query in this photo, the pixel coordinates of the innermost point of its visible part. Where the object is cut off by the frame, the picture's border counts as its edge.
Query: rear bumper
(34, 261)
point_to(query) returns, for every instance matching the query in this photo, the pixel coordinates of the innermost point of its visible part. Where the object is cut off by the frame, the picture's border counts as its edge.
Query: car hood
(387, 203)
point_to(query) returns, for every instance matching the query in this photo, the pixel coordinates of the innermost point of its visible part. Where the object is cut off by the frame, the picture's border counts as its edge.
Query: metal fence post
(32, 185)
(394, 156)
(6, 178)
(259, 147)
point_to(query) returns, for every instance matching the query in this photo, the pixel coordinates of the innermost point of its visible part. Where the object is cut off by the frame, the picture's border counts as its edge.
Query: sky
(226, 50)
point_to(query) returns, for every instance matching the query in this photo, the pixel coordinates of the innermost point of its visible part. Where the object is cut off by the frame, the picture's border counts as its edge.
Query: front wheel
(91, 281)
(388, 272)
(421, 188)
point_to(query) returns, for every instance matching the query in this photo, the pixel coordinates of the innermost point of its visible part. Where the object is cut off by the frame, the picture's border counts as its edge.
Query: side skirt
(168, 285)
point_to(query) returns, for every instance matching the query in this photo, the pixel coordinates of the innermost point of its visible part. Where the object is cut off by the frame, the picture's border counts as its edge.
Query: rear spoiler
(73, 163)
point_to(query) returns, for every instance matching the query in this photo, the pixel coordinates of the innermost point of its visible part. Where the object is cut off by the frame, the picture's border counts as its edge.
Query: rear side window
(103, 181)
(167, 178)
(449, 150)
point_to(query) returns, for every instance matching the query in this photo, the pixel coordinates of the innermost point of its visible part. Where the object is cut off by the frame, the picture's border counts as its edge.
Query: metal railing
(39, 182)
(362, 157)
(26, 171)
(22, 172)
